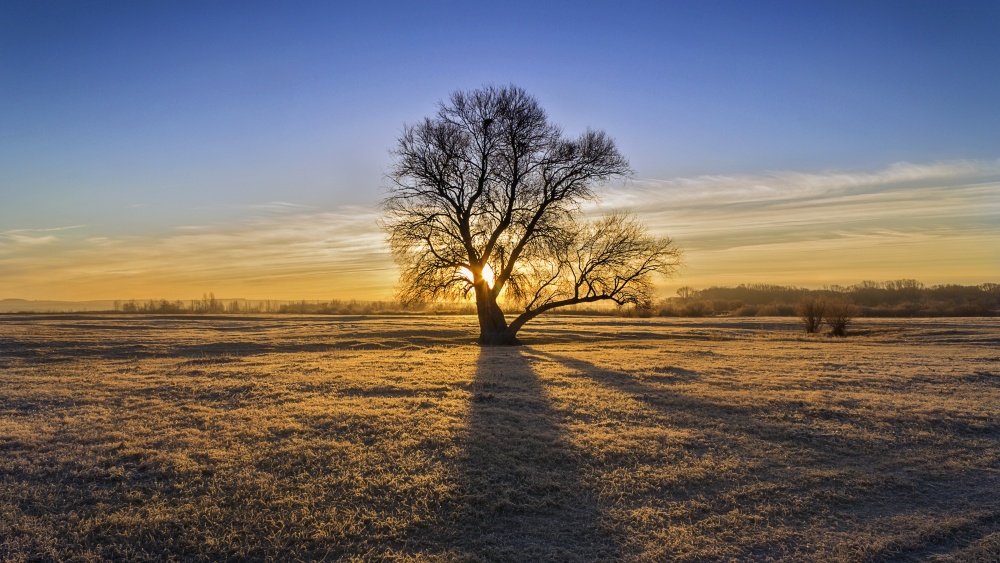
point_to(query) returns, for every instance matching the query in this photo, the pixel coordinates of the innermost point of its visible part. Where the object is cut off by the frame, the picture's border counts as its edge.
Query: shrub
(775, 310)
(641, 311)
(838, 315)
(812, 311)
(724, 306)
(786, 311)
(667, 310)
(696, 309)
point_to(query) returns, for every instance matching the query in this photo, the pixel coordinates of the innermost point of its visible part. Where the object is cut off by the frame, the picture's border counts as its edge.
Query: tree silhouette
(485, 197)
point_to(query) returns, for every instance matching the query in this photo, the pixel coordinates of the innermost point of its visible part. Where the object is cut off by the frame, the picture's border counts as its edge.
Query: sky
(168, 149)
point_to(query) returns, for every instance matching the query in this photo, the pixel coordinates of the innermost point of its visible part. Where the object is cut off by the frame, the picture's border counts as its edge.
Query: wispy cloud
(46, 230)
(937, 221)
(319, 255)
(790, 185)
(30, 240)
(28, 237)
(279, 206)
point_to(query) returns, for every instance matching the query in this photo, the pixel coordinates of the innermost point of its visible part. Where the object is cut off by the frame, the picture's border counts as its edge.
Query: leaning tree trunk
(493, 329)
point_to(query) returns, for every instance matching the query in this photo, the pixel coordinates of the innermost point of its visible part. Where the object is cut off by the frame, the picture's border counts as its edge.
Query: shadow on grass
(865, 488)
(523, 498)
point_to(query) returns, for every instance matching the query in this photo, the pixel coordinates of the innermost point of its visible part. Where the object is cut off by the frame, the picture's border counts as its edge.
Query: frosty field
(395, 438)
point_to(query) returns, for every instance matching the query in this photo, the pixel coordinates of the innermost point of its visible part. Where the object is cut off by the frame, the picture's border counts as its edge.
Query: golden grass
(283, 438)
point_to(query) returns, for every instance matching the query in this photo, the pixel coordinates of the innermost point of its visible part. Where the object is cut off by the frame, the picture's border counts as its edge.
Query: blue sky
(133, 123)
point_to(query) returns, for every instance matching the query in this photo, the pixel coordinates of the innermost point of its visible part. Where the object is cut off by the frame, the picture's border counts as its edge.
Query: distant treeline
(897, 298)
(209, 304)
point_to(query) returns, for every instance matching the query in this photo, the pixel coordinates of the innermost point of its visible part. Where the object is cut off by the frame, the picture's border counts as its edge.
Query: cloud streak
(938, 222)
(272, 254)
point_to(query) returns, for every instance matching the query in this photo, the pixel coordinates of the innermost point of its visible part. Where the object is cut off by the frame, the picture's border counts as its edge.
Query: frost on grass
(601, 439)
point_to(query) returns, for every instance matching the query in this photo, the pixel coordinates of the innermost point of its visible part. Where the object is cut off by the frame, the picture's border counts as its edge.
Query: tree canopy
(485, 197)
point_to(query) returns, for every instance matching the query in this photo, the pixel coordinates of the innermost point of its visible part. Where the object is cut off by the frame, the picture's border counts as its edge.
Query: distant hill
(29, 306)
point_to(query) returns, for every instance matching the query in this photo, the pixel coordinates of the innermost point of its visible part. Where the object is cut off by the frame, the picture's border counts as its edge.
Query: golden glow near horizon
(938, 223)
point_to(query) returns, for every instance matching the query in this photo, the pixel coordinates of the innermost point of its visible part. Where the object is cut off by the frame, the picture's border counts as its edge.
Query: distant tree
(685, 292)
(485, 199)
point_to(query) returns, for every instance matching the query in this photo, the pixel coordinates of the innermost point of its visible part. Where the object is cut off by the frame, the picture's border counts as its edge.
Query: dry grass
(391, 439)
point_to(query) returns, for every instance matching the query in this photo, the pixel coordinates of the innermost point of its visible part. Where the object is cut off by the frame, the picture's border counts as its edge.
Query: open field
(297, 438)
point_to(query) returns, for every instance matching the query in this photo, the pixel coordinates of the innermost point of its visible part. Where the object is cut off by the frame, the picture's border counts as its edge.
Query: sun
(487, 274)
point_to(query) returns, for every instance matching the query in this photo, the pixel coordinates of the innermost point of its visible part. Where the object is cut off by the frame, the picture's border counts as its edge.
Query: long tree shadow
(869, 500)
(523, 494)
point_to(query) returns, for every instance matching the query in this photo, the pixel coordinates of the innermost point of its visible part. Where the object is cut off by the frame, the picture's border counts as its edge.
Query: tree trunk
(493, 329)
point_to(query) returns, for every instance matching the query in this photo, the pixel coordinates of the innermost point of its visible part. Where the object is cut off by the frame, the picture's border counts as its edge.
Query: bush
(696, 309)
(838, 315)
(725, 307)
(812, 311)
(786, 310)
(641, 311)
(775, 310)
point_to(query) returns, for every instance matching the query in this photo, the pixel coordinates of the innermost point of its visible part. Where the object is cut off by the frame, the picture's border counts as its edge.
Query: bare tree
(485, 198)
(686, 292)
